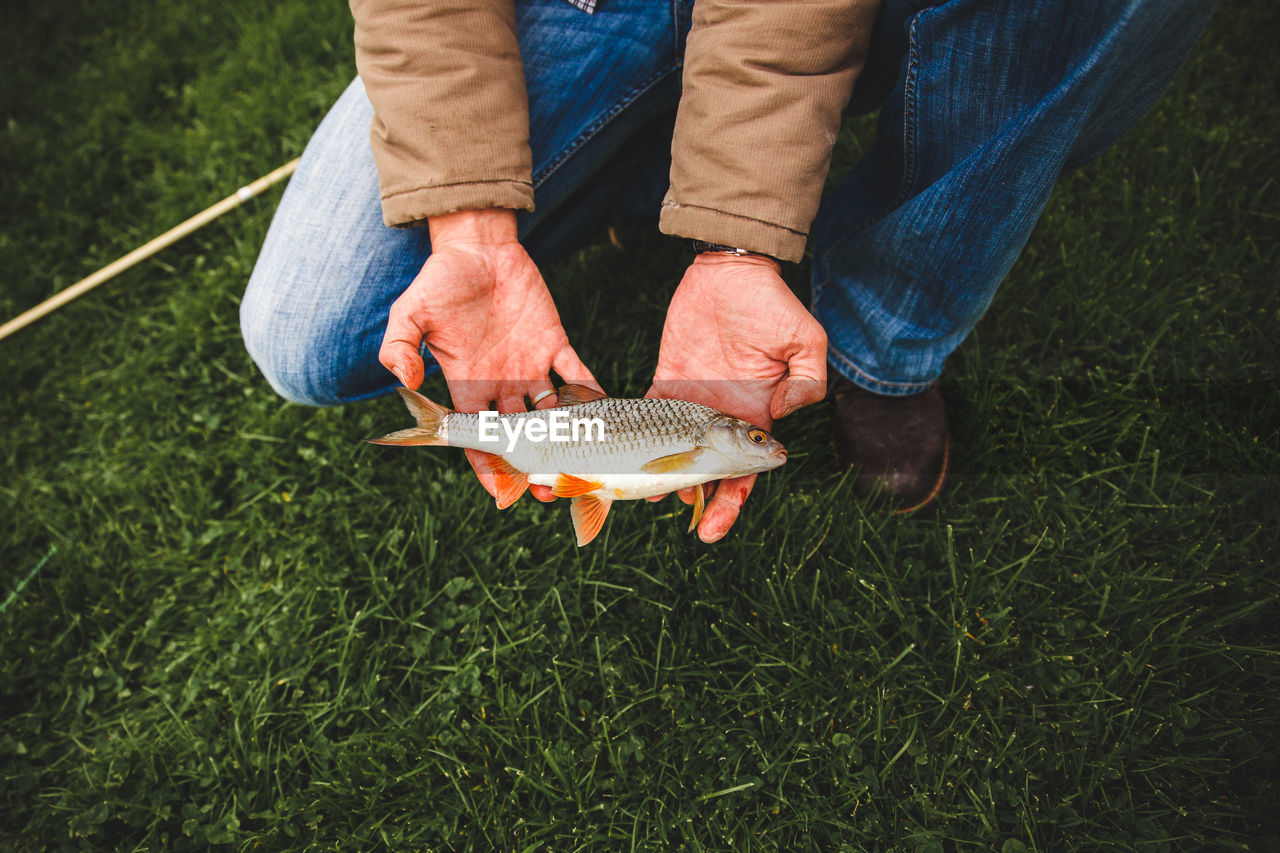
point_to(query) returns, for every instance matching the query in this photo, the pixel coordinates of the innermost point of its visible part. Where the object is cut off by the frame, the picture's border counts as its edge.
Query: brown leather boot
(898, 446)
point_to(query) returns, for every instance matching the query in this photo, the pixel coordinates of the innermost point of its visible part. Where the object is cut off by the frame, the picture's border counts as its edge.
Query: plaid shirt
(587, 6)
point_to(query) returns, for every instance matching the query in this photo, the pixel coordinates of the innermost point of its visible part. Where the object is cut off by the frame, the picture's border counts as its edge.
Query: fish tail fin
(430, 418)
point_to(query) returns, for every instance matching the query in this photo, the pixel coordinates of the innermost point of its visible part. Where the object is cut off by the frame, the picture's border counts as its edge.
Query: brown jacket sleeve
(765, 83)
(451, 116)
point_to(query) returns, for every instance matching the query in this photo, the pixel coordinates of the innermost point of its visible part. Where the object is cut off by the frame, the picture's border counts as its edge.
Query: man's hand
(486, 315)
(737, 339)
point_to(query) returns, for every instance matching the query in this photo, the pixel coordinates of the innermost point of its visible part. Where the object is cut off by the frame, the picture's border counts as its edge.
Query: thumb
(805, 384)
(796, 392)
(399, 350)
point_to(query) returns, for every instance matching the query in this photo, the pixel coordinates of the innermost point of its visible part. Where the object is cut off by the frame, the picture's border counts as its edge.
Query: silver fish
(597, 449)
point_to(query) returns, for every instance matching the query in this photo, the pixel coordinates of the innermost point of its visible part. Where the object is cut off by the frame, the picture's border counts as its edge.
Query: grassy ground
(244, 627)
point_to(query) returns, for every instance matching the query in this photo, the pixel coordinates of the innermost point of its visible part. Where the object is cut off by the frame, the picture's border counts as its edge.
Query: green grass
(249, 629)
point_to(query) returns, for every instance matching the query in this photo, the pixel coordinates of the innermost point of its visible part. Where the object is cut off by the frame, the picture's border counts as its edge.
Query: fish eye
(756, 435)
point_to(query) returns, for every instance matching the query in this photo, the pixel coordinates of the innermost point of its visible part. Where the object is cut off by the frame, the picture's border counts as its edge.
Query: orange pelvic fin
(430, 418)
(572, 395)
(509, 482)
(682, 461)
(699, 503)
(569, 486)
(588, 513)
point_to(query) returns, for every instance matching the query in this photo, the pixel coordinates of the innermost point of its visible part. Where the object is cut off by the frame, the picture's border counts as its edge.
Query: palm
(490, 323)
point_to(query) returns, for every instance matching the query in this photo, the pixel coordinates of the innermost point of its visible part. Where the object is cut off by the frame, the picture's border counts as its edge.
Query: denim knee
(290, 369)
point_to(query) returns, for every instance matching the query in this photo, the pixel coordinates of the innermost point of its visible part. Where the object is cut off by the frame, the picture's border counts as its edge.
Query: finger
(570, 368)
(806, 381)
(542, 395)
(471, 395)
(402, 359)
(686, 495)
(722, 510)
(511, 403)
(399, 351)
(708, 489)
(795, 393)
(673, 389)
(481, 463)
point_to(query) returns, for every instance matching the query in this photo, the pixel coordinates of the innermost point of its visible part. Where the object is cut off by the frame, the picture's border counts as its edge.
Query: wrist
(492, 225)
(725, 259)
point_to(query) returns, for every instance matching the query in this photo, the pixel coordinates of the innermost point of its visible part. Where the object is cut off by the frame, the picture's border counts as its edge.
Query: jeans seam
(910, 135)
(911, 119)
(595, 127)
(675, 32)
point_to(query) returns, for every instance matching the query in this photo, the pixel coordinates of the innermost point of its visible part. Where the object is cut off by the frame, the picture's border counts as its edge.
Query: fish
(626, 449)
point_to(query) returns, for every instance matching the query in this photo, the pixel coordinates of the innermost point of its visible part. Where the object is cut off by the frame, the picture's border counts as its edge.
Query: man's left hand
(737, 339)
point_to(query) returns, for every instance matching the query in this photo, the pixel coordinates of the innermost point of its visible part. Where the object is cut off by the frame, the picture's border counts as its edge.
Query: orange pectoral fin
(509, 482)
(569, 486)
(572, 395)
(588, 513)
(681, 461)
(699, 504)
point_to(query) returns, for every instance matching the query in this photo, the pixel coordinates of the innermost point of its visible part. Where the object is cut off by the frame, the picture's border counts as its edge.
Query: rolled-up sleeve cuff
(741, 232)
(413, 207)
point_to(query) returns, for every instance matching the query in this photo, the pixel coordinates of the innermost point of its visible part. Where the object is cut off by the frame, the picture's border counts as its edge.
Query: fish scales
(632, 430)
(648, 448)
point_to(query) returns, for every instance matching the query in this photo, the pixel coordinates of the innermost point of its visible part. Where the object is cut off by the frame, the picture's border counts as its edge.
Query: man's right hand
(485, 313)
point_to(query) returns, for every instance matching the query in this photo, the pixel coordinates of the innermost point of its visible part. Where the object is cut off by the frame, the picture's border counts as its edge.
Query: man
(481, 108)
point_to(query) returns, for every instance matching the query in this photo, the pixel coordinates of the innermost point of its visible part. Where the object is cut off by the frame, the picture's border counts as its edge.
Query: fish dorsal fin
(572, 395)
(569, 486)
(682, 461)
(699, 503)
(509, 483)
(588, 513)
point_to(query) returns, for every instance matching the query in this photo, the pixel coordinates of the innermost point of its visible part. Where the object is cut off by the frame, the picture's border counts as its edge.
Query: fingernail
(399, 372)
(710, 538)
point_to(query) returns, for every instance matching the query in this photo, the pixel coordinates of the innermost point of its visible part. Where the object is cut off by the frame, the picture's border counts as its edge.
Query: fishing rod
(148, 249)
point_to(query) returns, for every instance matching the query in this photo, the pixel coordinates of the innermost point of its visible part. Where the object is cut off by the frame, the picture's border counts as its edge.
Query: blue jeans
(983, 104)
